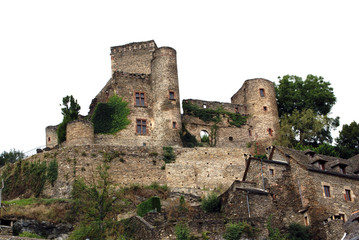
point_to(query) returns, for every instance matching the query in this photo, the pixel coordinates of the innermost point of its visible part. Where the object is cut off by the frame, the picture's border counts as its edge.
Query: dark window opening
(237, 110)
(265, 108)
(140, 99)
(172, 95)
(306, 222)
(250, 133)
(271, 172)
(327, 191)
(347, 195)
(261, 92)
(174, 125)
(49, 139)
(270, 132)
(141, 126)
(342, 169)
(321, 165)
(230, 139)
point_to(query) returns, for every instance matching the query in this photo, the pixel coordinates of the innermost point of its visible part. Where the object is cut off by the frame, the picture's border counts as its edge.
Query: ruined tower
(258, 97)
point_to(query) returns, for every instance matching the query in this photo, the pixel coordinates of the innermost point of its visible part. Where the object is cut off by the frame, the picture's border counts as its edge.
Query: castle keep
(295, 186)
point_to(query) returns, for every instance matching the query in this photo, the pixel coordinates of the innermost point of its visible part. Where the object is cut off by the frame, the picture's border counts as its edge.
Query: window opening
(237, 110)
(341, 169)
(174, 125)
(141, 126)
(230, 139)
(270, 132)
(49, 139)
(306, 222)
(271, 172)
(204, 106)
(321, 165)
(327, 191)
(204, 136)
(265, 108)
(172, 95)
(140, 98)
(347, 195)
(250, 133)
(261, 92)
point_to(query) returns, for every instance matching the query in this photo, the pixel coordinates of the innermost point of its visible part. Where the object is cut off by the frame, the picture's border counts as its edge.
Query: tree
(11, 156)
(314, 93)
(348, 140)
(96, 203)
(303, 110)
(306, 129)
(70, 111)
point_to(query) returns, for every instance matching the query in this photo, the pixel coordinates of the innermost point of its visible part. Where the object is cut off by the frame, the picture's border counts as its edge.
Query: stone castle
(295, 186)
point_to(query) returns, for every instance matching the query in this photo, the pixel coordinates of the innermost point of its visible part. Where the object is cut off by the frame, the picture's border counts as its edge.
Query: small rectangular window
(172, 95)
(271, 172)
(321, 165)
(140, 99)
(342, 169)
(250, 133)
(262, 92)
(306, 222)
(270, 132)
(327, 191)
(141, 127)
(174, 125)
(265, 108)
(347, 195)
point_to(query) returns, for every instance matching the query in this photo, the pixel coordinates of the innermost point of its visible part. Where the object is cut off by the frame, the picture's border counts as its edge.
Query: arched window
(204, 136)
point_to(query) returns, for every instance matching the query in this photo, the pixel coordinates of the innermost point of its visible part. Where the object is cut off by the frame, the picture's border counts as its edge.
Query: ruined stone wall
(79, 132)
(258, 96)
(205, 169)
(51, 136)
(133, 57)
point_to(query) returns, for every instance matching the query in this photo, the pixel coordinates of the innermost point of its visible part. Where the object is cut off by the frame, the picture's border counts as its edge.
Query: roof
(308, 158)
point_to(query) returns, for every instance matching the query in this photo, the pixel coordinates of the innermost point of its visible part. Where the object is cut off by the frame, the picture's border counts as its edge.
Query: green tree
(295, 94)
(11, 156)
(303, 108)
(298, 232)
(96, 203)
(70, 111)
(306, 128)
(348, 140)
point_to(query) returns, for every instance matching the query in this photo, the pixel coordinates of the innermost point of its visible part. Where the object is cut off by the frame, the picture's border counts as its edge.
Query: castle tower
(51, 136)
(258, 98)
(79, 132)
(165, 89)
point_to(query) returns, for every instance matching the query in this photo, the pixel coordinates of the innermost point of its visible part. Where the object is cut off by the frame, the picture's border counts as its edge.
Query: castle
(146, 77)
(295, 186)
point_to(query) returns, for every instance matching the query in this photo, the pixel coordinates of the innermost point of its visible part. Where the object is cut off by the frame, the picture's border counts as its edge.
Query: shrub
(52, 172)
(111, 117)
(274, 233)
(168, 155)
(234, 231)
(298, 232)
(151, 204)
(30, 235)
(182, 231)
(211, 203)
(205, 139)
(188, 140)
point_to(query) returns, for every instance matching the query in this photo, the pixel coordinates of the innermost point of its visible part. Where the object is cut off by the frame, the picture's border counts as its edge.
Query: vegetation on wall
(211, 203)
(70, 110)
(168, 155)
(213, 115)
(28, 178)
(111, 117)
(188, 140)
(234, 231)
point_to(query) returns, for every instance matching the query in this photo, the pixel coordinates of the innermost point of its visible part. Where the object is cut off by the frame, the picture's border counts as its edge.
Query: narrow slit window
(174, 125)
(270, 132)
(347, 195)
(172, 95)
(262, 92)
(327, 191)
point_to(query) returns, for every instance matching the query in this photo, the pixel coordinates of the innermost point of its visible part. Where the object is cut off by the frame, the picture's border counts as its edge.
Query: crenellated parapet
(134, 46)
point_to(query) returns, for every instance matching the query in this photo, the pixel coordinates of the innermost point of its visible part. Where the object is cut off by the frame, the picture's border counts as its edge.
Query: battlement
(164, 51)
(134, 46)
(121, 74)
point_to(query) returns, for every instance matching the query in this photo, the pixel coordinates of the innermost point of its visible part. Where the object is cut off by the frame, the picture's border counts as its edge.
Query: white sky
(50, 49)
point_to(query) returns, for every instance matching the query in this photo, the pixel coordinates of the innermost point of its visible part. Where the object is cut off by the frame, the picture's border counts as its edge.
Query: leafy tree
(295, 94)
(348, 140)
(97, 205)
(306, 128)
(70, 110)
(303, 110)
(11, 156)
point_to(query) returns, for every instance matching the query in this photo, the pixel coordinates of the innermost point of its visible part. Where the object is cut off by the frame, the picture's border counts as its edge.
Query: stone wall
(199, 170)
(133, 57)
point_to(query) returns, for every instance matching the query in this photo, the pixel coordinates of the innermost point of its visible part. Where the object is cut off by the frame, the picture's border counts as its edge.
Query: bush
(151, 204)
(111, 117)
(298, 232)
(234, 231)
(211, 203)
(188, 140)
(182, 231)
(52, 172)
(168, 155)
(30, 235)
